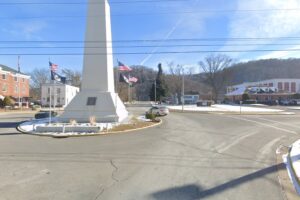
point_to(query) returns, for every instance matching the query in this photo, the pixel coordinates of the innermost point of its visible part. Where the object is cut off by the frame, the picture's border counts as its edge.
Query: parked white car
(159, 110)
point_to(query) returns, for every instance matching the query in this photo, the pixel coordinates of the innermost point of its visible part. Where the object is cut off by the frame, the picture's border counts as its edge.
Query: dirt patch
(134, 124)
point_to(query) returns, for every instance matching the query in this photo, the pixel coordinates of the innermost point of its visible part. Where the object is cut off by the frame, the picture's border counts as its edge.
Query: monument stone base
(106, 107)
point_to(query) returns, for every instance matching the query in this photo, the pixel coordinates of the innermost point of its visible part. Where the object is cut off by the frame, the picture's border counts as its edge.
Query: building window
(4, 88)
(293, 87)
(49, 90)
(287, 86)
(16, 89)
(58, 90)
(23, 79)
(23, 89)
(4, 76)
(58, 100)
(48, 99)
(280, 86)
(271, 85)
(16, 79)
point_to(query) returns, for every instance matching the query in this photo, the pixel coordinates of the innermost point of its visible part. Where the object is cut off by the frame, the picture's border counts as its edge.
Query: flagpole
(50, 105)
(50, 110)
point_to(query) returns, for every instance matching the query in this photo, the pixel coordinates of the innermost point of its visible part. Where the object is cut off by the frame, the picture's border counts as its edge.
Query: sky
(217, 25)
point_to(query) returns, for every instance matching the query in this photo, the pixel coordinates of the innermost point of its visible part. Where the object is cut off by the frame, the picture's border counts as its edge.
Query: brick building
(14, 84)
(267, 90)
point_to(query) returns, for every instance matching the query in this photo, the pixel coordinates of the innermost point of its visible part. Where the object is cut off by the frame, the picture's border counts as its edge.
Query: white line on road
(222, 148)
(286, 124)
(264, 124)
(267, 149)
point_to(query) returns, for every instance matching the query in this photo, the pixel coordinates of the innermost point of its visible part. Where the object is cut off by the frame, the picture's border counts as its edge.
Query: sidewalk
(292, 160)
(18, 112)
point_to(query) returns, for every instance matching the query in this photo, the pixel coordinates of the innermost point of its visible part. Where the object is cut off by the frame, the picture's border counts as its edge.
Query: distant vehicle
(269, 102)
(45, 114)
(284, 102)
(159, 110)
(294, 102)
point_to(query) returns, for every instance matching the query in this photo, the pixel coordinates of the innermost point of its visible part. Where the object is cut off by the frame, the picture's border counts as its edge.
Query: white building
(61, 94)
(279, 85)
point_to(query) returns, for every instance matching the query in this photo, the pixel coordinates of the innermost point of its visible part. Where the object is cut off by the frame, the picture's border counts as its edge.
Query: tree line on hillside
(217, 72)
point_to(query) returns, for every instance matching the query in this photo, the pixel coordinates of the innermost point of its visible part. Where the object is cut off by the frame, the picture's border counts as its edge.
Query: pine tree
(161, 87)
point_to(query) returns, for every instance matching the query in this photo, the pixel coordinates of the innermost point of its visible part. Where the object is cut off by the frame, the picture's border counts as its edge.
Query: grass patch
(135, 124)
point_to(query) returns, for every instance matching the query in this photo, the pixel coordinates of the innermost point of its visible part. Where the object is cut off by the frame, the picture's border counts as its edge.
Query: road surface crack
(116, 169)
(113, 177)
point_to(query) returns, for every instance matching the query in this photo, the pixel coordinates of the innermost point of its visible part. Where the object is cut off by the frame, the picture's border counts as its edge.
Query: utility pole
(19, 81)
(182, 90)
(155, 88)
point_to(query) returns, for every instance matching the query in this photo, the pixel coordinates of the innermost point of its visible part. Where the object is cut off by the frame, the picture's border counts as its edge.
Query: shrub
(245, 97)
(150, 116)
(93, 120)
(1, 103)
(8, 101)
(36, 107)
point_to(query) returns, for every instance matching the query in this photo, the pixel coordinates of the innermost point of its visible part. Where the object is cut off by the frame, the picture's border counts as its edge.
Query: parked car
(159, 110)
(284, 102)
(45, 114)
(294, 102)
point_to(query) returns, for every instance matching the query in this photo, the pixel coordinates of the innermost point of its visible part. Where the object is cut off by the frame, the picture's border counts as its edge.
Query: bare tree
(38, 77)
(73, 77)
(216, 75)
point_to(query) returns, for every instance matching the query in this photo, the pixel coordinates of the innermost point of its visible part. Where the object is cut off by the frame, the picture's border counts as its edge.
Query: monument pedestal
(97, 97)
(104, 106)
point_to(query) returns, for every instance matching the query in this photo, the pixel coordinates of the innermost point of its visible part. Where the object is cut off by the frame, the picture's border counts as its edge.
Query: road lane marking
(266, 149)
(270, 120)
(221, 148)
(264, 124)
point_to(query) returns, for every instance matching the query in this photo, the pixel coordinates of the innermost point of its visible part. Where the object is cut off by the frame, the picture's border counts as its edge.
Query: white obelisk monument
(97, 97)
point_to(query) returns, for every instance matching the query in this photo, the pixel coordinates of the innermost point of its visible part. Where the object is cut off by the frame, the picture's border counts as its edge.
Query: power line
(145, 46)
(85, 3)
(142, 53)
(152, 13)
(157, 40)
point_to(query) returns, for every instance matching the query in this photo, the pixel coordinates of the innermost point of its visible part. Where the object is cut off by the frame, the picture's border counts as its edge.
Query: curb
(88, 135)
(293, 171)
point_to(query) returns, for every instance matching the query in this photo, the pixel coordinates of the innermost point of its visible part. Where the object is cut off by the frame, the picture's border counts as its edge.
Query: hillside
(264, 69)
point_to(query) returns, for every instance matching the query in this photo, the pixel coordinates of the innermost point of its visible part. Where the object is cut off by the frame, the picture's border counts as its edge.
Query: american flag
(133, 80)
(53, 67)
(123, 67)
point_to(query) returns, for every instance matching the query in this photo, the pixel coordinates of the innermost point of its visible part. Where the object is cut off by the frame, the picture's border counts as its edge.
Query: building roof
(239, 91)
(266, 80)
(9, 69)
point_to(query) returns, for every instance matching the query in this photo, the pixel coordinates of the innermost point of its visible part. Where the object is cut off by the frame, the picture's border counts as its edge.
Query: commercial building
(266, 90)
(14, 84)
(57, 94)
(191, 99)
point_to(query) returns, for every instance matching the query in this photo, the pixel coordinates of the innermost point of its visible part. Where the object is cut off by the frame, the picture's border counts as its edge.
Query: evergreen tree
(161, 87)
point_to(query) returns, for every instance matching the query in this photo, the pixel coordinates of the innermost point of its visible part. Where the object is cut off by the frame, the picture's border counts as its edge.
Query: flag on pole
(133, 79)
(124, 79)
(58, 78)
(123, 67)
(53, 67)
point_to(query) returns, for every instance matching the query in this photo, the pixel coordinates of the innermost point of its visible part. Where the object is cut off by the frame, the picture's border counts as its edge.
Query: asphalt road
(191, 156)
